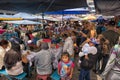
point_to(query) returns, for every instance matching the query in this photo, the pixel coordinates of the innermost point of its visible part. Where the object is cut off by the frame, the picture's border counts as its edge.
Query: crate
(55, 75)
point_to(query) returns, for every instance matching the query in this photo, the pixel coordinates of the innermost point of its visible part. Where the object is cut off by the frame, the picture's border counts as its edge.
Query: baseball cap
(94, 41)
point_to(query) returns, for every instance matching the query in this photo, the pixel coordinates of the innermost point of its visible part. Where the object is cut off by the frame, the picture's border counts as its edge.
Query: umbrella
(89, 17)
(100, 19)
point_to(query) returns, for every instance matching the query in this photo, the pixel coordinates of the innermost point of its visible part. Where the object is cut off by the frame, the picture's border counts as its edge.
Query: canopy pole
(62, 17)
(43, 27)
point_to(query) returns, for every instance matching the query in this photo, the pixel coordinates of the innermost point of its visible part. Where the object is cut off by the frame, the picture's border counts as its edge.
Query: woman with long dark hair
(3, 47)
(112, 69)
(13, 63)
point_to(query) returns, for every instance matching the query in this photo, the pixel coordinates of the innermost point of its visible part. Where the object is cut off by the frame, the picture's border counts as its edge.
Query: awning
(37, 6)
(25, 22)
(27, 16)
(9, 19)
(107, 7)
(69, 11)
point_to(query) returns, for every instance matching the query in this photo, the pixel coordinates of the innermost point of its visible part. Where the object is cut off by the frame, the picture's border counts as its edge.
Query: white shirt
(88, 50)
(16, 70)
(2, 54)
(68, 46)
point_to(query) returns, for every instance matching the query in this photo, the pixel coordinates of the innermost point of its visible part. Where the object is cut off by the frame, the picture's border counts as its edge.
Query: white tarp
(27, 16)
(22, 22)
(50, 18)
(6, 16)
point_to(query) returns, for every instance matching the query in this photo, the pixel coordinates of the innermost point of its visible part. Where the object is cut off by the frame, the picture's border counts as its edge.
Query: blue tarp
(70, 11)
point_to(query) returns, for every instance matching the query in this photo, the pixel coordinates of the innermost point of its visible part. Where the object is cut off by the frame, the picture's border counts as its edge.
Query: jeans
(84, 74)
(97, 63)
(105, 60)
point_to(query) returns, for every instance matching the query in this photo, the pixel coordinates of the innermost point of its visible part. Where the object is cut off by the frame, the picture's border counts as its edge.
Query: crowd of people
(56, 47)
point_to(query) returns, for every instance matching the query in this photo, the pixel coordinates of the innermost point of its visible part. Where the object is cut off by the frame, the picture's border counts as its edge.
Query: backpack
(87, 64)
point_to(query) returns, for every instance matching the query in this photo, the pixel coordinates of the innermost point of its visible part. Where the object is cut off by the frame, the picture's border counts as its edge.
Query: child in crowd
(65, 67)
(88, 48)
(88, 53)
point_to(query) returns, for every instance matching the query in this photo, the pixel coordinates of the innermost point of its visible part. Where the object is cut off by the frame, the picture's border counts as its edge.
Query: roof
(107, 7)
(37, 6)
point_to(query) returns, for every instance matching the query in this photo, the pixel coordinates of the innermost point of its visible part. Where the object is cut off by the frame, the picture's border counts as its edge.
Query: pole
(43, 27)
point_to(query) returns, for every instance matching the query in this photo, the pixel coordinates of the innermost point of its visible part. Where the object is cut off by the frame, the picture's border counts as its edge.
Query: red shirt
(59, 64)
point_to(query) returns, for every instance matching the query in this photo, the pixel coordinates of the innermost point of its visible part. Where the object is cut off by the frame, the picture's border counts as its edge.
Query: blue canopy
(69, 11)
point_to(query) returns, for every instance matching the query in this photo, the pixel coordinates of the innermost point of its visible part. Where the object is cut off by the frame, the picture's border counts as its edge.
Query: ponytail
(3, 42)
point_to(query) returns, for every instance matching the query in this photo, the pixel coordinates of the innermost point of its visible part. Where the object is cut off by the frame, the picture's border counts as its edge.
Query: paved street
(75, 73)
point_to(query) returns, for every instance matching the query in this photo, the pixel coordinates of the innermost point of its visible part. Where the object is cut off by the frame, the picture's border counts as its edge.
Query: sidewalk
(77, 72)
